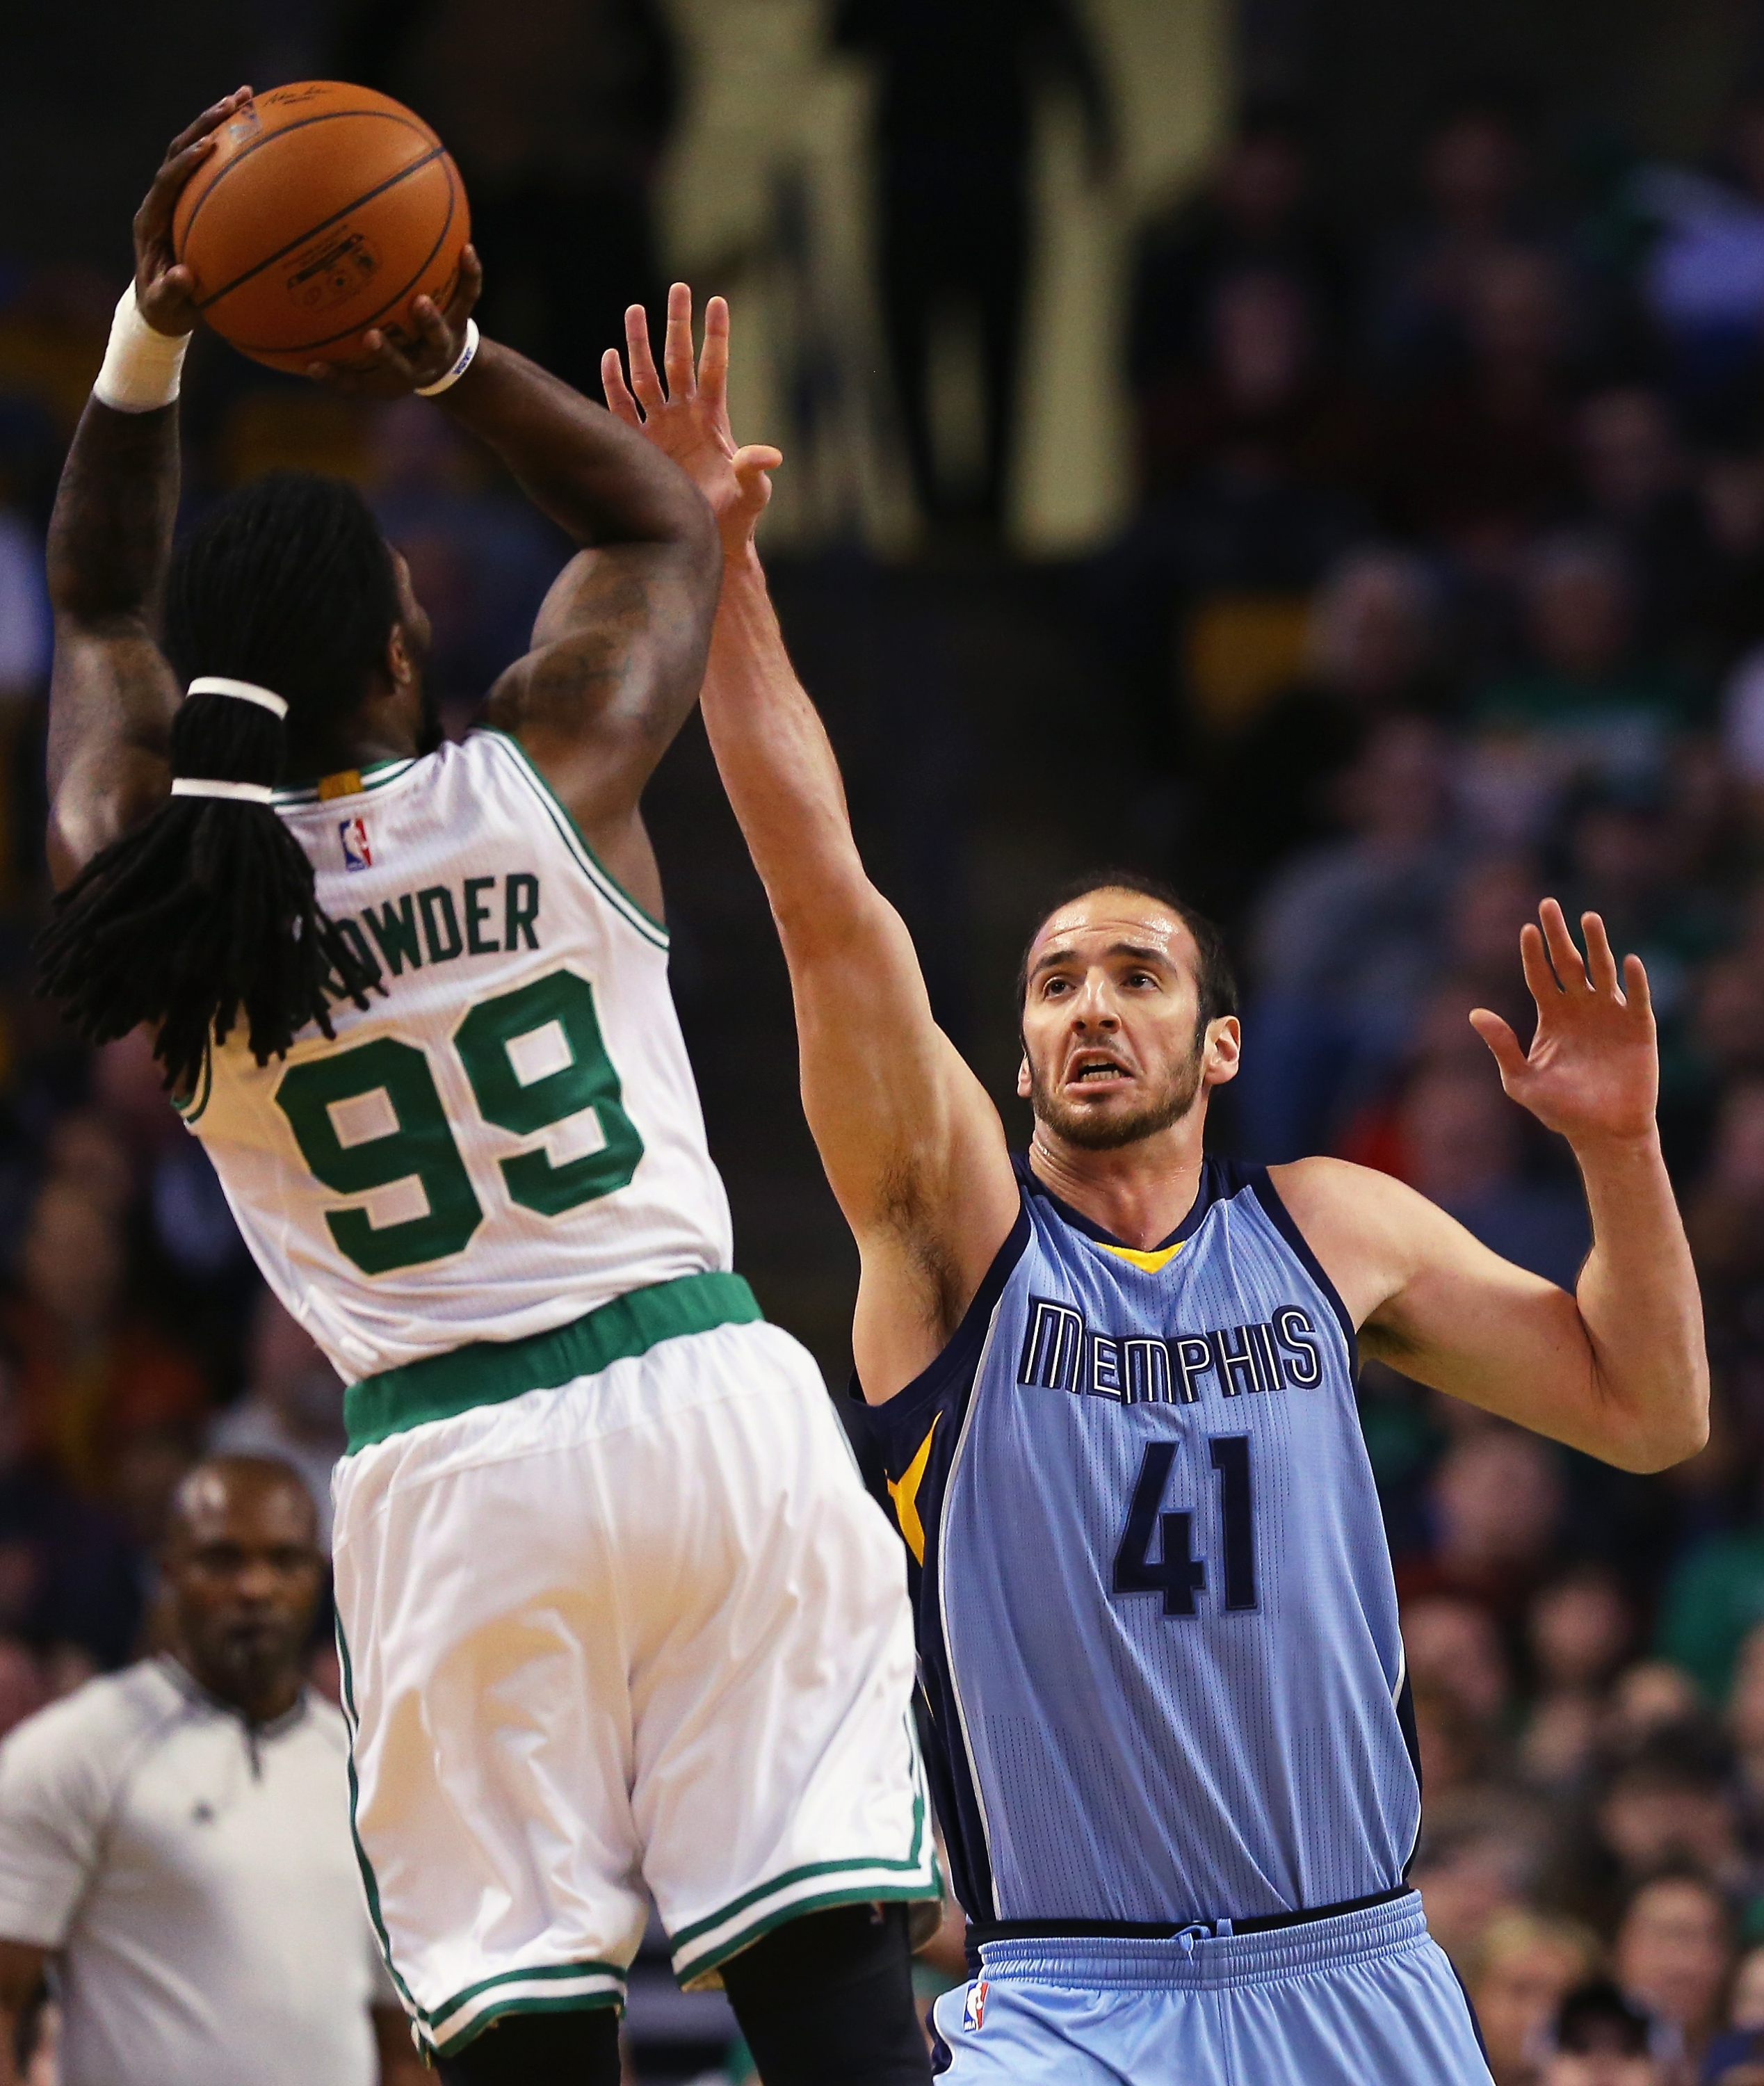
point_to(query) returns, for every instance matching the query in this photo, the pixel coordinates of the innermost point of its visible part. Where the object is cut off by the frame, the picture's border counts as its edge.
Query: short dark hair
(1215, 987)
(1598, 2017)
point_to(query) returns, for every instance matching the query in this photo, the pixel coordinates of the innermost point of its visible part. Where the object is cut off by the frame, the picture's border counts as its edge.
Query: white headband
(247, 691)
(238, 793)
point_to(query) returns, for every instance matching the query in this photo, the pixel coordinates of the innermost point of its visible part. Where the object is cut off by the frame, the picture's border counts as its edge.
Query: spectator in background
(1638, 491)
(1578, 1631)
(292, 1408)
(1674, 1952)
(1735, 2057)
(1475, 177)
(93, 1370)
(1481, 1854)
(176, 1838)
(1602, 2037)
(1255, 211)
(68, 1586)
(1526, 1964)
(558, 112)
(1272, 788)
(959, 80)
(1346, 947)
(1497, 1498)
(1264, 395)
(1704, 280)
(1463, 1145)
(1482, 457)
(1583, 703)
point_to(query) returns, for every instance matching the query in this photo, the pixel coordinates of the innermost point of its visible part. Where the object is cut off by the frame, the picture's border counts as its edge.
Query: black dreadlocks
(206, 911)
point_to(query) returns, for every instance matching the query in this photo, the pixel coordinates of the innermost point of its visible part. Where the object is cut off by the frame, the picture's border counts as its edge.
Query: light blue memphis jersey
(1157, 1625)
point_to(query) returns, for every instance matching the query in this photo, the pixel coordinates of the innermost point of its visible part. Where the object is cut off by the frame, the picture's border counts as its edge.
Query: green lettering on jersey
(419, 1145)
(519, 915)
(441, 923)
(477, 912)
(526, 1106)
(394, 927)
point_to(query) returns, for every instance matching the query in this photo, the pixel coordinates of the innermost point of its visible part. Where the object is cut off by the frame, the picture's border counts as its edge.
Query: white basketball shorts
(643, 1631)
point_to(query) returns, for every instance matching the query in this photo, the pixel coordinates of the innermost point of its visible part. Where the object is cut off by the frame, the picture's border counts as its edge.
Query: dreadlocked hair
(205, 914)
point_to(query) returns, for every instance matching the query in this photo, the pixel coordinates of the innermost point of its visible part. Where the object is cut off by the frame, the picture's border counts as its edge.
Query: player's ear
(1023, 1089)
(1222, 1051)
(400, 662)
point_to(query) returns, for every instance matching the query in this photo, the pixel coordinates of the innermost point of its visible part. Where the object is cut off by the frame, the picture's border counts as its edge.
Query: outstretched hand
(164, 289)
(688, 417)
(1593, 1067)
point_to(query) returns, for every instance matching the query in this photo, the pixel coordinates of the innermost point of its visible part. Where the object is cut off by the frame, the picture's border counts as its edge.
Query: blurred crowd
(1445, 589)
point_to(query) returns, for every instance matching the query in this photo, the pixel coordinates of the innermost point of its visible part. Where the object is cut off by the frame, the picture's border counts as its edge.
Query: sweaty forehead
(1105, 918)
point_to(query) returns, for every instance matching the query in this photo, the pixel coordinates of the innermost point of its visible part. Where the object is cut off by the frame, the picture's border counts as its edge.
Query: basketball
(324, 210)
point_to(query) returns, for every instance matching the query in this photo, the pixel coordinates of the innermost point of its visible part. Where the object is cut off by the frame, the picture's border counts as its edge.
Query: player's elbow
(1671, 1432)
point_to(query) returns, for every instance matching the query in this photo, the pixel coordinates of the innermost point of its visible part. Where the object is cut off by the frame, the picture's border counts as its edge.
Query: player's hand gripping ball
(323, 211)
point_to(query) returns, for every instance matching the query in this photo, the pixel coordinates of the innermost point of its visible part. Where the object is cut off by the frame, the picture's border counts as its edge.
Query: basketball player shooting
(1114, 1379)
(616, 1614)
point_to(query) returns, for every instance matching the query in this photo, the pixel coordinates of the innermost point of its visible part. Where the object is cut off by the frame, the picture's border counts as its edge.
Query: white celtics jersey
(510, 1136)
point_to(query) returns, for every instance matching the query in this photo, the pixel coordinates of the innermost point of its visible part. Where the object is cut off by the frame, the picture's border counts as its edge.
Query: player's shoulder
(92, 1734)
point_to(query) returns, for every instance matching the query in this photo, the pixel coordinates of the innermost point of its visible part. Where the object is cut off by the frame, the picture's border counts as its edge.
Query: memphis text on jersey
(1061, 1352)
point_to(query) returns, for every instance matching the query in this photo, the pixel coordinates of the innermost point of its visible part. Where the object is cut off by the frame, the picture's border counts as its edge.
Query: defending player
(1115, 1380)
(617, 1610)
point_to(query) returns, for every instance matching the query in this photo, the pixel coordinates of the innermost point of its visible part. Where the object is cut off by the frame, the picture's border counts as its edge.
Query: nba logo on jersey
(357, 854)
(973, 2012)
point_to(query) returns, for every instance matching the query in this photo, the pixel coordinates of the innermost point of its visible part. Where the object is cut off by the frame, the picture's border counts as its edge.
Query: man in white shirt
(175, 1844)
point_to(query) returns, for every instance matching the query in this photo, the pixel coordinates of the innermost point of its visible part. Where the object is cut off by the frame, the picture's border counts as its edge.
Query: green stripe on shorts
(490, 1372)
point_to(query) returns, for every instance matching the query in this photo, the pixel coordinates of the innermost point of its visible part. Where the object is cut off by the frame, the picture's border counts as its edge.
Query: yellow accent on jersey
(1160, 1257)
(905, 1495)
(346, 782)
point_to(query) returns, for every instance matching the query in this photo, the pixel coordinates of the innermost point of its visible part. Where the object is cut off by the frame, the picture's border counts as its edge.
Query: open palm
(688, 417)
(1593, 1067)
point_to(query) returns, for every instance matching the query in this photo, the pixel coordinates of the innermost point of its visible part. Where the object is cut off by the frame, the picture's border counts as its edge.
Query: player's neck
(1138, 1193)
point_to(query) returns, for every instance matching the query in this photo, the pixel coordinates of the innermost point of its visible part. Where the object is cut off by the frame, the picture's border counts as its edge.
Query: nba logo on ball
(973, 2014)
(357, 854)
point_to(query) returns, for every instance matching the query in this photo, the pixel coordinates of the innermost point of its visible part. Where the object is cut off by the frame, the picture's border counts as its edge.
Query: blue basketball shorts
(1365, 1997)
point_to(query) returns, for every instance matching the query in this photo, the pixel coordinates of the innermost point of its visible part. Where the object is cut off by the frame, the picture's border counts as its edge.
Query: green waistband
(488, 1372)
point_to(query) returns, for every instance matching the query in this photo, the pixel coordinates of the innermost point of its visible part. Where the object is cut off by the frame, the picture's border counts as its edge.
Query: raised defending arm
(913, 1147)
(1619, 1367)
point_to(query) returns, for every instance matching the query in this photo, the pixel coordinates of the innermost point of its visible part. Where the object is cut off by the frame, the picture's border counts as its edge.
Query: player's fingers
(210, 119)
(1601, 965)
(1563, 955)
(1635, 988)
(644, 382)
(620, 402)
(1534, 959)
(468, 286)
(677, 343)
(1498, 1035)
(713, 360)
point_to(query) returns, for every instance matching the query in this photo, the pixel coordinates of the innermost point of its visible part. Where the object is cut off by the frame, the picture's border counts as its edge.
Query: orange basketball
(324, 210)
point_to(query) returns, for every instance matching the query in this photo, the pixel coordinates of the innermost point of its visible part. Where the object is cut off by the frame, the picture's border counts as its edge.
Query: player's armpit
(1438, 1305)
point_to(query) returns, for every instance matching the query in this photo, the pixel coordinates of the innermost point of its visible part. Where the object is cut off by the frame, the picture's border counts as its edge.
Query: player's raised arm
(913, 1147)
(1618, 1369)
(112, 694)
(618, 650)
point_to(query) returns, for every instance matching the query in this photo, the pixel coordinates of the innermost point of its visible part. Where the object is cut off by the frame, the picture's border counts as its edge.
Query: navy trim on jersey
(1216, 1185)
(928, 1415)
(1281, 1218)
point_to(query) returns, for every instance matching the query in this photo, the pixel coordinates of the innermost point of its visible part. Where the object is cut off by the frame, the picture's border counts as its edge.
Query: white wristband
(142, 367)
(461, 363)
